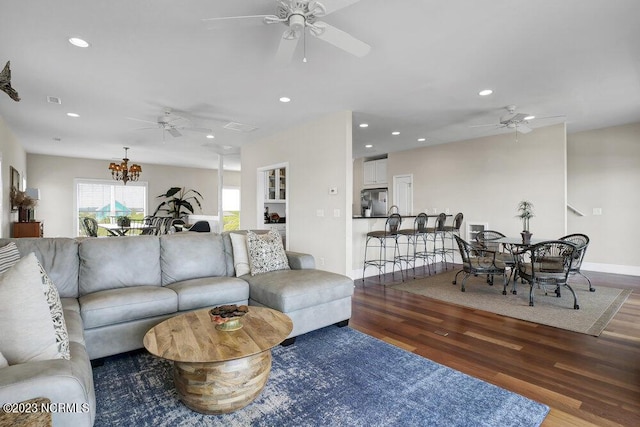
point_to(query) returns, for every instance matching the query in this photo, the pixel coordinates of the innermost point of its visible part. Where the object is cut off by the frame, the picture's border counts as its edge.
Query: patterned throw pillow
(266, 252)
(57, 315)
(9, 256)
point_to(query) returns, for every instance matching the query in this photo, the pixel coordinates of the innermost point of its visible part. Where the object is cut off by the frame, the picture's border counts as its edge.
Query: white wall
(319, 158)
(604, 172)
(11, 154)
(54, 176)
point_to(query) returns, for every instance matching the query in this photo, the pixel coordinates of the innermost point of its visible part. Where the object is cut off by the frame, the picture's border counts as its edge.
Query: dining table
(122, 230)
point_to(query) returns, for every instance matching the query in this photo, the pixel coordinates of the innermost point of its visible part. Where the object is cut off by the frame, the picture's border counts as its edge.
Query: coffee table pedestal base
(222, 387)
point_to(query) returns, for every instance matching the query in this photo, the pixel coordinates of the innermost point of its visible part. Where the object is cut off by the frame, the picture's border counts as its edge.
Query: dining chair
(582, 242)
(479, 262)
(546, 265)
(486, 239)
(90, 226)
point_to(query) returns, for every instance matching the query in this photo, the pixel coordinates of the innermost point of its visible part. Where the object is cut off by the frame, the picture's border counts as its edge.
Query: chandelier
(123, 172)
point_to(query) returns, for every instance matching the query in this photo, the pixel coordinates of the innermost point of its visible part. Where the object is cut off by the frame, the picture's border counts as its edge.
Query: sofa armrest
(300, 261)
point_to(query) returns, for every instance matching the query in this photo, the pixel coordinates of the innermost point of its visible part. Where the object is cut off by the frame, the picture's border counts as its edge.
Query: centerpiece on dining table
(525, 213)
(227, 317)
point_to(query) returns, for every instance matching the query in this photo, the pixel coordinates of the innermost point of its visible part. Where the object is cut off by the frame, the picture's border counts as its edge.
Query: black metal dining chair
(479, 262)
(546, 265)
(582, 242)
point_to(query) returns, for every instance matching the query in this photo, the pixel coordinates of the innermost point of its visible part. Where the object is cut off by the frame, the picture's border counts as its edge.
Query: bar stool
(415, 236)
(436, 234)
(453, 230)
(380, 238)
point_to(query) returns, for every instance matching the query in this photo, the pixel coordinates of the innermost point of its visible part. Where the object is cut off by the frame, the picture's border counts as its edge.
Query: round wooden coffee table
(215, 371)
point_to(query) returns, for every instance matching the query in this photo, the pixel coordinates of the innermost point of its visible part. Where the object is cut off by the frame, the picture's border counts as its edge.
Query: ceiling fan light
(296, 23)
(529, 118)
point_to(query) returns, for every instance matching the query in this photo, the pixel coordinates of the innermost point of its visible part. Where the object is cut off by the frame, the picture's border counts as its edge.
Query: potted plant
(178, 202)
(525, 212)
(123, 221)
(23, 203)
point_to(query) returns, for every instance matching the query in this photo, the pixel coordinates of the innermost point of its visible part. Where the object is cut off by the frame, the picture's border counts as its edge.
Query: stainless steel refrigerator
(373, 201)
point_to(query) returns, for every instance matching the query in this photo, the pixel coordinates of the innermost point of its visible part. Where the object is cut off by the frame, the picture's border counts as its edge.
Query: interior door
(403, 194)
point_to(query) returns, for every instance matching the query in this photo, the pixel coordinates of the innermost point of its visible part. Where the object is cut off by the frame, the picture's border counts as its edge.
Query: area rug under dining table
(329, 377)
(596, 308)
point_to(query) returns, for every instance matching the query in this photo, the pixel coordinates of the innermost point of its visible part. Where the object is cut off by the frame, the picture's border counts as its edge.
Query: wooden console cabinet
(28, 229)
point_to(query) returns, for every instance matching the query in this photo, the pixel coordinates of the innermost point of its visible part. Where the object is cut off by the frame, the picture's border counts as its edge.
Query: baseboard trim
(629, 270)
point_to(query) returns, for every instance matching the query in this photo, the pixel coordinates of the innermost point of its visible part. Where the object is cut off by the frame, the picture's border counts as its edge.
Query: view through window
(106, 201)
(231, 208)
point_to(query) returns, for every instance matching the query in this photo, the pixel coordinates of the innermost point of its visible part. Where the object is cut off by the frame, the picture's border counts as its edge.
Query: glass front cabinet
(276, 185)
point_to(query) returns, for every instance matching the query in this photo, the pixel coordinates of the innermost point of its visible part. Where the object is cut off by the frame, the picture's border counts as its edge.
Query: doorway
(403, 194)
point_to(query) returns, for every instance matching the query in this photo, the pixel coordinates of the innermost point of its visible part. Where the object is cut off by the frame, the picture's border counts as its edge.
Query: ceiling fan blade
(236, 21)
(523, 129)
(199, 130)
(286, 49)
(340, 39)
(141, 120)
(549, 117)
(174, 132)
(481, 126)
(334, 5)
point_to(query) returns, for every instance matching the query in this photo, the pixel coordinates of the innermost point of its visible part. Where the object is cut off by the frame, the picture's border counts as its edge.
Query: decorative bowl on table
(227, 317)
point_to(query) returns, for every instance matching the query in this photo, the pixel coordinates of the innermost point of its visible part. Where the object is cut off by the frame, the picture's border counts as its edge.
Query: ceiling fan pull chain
(304, 45)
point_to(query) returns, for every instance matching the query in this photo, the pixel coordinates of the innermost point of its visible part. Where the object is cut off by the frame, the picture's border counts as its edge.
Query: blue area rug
(330, 377)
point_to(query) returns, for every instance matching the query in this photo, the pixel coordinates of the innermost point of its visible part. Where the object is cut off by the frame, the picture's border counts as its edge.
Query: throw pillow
(57, 315)
(240, 254)
(3, 361)
(25, 318)
(266, 252)
(9, 255)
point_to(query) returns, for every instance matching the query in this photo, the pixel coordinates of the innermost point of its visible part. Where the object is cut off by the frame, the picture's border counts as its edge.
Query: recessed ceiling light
(395, 133)
(368, 146)
(485, 92)
(529, 118)
(73, 114)
(364, 125)
(422, 139)
(78, 42)
(285, 99)
(210, 136)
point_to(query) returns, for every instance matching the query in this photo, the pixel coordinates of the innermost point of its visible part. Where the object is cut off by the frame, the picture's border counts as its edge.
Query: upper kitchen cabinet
(275, 185)
(375, 172)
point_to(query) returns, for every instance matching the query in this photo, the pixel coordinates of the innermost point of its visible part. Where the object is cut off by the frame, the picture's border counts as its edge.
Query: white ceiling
(429, 59)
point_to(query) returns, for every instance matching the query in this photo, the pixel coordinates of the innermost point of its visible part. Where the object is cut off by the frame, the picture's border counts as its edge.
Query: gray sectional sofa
(113, 290)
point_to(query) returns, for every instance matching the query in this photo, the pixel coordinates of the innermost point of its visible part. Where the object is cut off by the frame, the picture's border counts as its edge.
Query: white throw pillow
(266, 252)
(240, 254)
(3, 361)
(25, 318)
(9, 255)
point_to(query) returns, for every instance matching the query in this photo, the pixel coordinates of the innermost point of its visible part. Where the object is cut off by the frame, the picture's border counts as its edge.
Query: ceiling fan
(172, 124)
(517, 121)
(299, 16)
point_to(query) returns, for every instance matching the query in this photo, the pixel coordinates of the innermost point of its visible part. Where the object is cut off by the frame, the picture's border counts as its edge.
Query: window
(107, 200)
(231, 208)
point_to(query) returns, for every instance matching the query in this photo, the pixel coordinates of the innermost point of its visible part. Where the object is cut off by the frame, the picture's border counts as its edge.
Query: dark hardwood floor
(585, 380)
